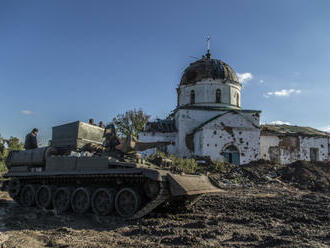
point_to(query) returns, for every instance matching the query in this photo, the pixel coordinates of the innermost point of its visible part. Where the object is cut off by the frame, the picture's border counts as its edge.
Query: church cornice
(213, 108)
(217, 116)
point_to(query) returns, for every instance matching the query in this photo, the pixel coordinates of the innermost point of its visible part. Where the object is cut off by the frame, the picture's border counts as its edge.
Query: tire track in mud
(253, 217)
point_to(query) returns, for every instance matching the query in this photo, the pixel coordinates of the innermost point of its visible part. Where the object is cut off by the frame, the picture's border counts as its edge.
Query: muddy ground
(270, 215)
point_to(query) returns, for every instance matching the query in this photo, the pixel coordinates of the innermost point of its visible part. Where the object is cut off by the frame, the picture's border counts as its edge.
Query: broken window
(218, 96)
(192, 97)
(314, 154)
(274, 154)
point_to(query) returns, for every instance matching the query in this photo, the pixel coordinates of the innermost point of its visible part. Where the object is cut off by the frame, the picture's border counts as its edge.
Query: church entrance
(231, 155)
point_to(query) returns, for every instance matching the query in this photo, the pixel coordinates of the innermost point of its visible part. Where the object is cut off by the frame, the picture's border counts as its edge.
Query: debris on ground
(313, 176)
(308, 175)
(264, 205)
(262, 216)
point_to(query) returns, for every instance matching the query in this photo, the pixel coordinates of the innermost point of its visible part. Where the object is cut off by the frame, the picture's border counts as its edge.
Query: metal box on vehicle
(75, 135)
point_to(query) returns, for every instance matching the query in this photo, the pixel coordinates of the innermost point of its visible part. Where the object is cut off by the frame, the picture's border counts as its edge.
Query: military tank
(66, 177)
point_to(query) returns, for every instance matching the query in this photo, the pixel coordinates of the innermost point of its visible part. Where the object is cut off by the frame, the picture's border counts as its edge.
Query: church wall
(198, 143)
(157, 136)
(186, 122)
(265, 143)
(306, 143)
(254, 117)
(329, 149)
(205, 93)
(230, 129)
(287, 149)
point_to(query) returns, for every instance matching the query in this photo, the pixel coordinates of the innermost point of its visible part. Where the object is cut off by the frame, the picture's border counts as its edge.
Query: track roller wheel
(44, 196)
(103, 201)
(127, 202)
(80, 200)
(151, 189)
(27, 195)
(62, 199)
(14, 187)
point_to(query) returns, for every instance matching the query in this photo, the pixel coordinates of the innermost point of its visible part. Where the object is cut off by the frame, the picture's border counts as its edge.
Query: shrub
(187, 165)
(3, 168)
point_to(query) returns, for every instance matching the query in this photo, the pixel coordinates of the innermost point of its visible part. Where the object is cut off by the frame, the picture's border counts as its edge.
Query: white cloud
(261, 81)
(282, 92)
(26, 112)
(326, 129)
(244, 77)
(279, 123)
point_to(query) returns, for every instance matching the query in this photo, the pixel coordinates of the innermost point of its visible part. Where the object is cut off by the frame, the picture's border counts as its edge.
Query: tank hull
(91, 178)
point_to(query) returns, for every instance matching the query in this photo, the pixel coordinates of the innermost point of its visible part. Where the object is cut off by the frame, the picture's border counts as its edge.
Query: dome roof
(208, 68)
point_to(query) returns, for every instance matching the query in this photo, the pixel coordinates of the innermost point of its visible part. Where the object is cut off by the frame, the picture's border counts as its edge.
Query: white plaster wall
(157, 136)
(329, 149)
(265, 143)
(205, 93)
(314, 142)
(252, 116)
(288, 156)
(215, 136)
(186, 121)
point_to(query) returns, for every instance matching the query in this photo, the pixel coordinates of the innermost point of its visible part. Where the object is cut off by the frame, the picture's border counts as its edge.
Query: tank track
(162, 197)
(97, 181)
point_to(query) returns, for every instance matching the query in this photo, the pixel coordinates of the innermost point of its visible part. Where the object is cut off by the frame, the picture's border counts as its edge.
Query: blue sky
(66, 60)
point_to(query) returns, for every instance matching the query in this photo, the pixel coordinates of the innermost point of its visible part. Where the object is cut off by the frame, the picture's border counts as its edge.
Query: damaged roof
(208, 68)
(289, 130)
(162, 126)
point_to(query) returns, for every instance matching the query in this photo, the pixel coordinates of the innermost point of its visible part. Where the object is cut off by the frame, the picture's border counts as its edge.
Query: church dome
(208, 68)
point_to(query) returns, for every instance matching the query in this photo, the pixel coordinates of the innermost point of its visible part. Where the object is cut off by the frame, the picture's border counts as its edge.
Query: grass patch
(187, 165)
(190, 165)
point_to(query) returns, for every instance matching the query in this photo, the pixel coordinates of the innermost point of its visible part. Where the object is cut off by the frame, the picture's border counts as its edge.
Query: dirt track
(265, 216)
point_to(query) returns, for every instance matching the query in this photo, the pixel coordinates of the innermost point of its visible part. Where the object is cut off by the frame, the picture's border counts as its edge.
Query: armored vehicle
(65, 176)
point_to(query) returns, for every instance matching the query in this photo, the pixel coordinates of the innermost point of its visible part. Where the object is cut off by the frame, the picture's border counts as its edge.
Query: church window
(218, 96)
(237, 99)
(192, 97)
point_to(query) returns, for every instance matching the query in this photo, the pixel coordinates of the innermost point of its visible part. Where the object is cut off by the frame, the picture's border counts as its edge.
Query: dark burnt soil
(261, 216)
(306, 175)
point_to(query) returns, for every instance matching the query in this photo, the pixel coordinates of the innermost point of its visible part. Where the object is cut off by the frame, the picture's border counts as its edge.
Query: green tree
(2, 149)
(14, 144)
(6, 146)
(130, 123)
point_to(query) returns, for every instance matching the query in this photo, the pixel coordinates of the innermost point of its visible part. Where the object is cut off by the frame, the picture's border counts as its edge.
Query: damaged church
(209, 121)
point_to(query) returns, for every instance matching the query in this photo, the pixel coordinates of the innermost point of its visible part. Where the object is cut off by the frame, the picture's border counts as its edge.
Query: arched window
(218, 96)
(237, 99)
(192, 97)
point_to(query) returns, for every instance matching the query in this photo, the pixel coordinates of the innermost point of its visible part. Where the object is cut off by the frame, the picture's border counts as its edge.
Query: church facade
(208, 119)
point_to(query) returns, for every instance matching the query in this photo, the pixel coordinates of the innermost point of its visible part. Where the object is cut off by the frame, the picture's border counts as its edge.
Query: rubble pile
(307, 175)
(257, 172)
(313, 176)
